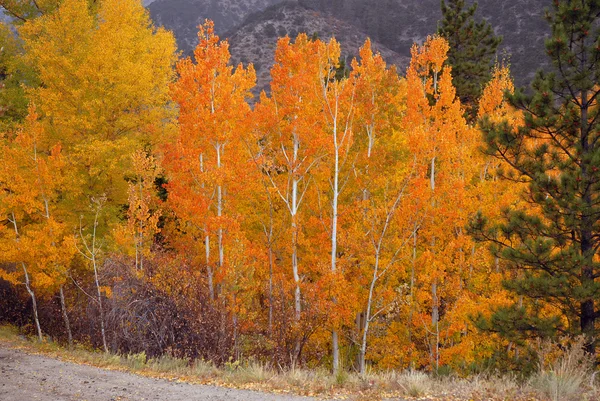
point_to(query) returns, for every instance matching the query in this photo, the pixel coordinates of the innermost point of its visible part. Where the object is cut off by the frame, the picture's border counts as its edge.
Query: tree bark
(66, 317)
(587, 307)
(33, 304)
(334, 221)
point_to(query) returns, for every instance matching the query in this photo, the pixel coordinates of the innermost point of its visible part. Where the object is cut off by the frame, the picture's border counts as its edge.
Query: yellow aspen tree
(104, 74)
(143, 212)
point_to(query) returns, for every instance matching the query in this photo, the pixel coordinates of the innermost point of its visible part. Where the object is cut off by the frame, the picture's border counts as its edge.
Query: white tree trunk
(33, 303)
(90, 252)
(27, 284)
(294, 212)
(334, 221)
(363, 345)
(100, 307)
(209, 271)
(435, 312)
(270, 284)
(219, 148)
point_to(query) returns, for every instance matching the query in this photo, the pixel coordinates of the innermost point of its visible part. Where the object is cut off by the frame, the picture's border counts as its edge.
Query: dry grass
(565, 373)
(562, 380)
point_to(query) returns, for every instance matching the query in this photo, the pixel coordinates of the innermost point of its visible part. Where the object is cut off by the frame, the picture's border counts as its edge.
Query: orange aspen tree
(490, 196)
(211, 96)
(266, 208)
(382, 170)
(35, 240)
(296, 134)
(438, 133)
(338, 114)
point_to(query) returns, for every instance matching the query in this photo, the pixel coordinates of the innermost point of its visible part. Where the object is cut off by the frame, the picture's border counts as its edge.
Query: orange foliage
(332, 204)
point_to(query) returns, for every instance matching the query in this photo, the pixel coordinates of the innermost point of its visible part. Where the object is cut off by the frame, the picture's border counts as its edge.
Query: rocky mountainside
(183, 16)
(255, 40)
(253, 26)
(399, 23)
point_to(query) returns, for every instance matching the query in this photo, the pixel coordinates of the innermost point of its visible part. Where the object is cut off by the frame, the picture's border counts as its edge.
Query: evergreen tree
(472, 51)
(553, 245)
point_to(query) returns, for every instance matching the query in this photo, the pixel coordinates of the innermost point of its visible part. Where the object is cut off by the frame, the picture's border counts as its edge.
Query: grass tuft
(563, 377)
(415, 383)
(168, 364)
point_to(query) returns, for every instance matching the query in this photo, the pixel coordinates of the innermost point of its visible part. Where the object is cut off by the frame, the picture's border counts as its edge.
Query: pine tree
(553, 245)
(473, 47)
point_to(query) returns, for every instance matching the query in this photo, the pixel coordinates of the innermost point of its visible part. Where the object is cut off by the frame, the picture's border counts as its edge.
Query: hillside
(252, 26)
(255, 40)
(399, 23)
(184, 16)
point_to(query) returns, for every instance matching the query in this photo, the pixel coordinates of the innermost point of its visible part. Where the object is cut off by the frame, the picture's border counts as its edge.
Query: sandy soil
(26, 377)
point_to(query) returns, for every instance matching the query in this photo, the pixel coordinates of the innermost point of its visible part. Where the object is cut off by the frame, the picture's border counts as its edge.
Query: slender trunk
(270, 289)
(209, 271)
(297, 299)
(335, 351)
(33, 303)
(269, 237)
(435, 312)
(412, 289)
(100, 308)
(137, 253)
(63, 307)
(294, 212)
(297, 295)
(435, 319)
(140, 245)
(27, 283)
(93, 254)
(363, 345)
(334, 221)
(219, 147)
(220, 210)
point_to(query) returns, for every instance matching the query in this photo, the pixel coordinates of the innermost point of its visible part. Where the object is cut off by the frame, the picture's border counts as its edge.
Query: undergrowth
(562, 380)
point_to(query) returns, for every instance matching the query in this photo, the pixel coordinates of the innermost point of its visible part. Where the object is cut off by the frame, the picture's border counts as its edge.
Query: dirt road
(25, 377)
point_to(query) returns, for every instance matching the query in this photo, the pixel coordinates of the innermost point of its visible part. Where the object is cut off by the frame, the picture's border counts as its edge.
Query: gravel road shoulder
(27, 377)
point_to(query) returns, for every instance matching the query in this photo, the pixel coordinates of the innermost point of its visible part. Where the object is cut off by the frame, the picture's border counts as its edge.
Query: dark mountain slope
(399, 23)
(184, 16)
(255, 40)
(254, 25)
